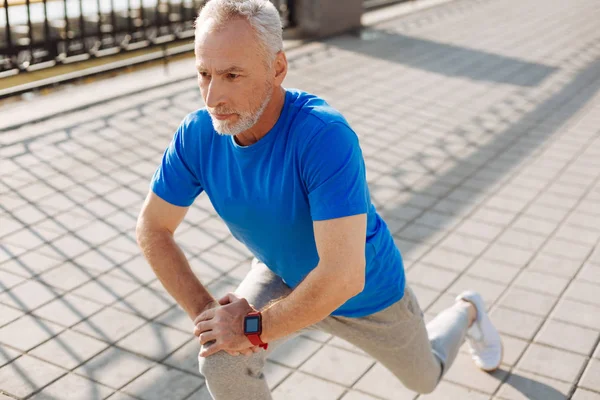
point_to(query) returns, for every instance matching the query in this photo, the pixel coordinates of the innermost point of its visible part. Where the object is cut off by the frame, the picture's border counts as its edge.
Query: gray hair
(261, 14)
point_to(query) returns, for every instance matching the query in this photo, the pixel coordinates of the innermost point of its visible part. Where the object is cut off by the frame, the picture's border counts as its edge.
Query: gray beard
(246, 120)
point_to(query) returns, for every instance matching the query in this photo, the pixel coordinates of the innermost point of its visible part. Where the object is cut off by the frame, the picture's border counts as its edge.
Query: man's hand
(222, 324)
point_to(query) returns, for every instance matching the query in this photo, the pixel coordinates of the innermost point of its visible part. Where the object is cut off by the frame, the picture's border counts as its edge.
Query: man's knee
(221, 365)
(423, 384)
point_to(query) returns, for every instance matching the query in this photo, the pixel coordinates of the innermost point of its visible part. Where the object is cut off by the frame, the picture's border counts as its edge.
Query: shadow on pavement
(445, 59)
(532, 389)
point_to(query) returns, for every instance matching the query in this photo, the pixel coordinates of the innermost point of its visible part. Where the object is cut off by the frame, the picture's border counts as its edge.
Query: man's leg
(398, 338)
(241, 377)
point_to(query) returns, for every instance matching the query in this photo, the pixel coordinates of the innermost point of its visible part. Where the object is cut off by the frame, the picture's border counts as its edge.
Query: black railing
(42, 33)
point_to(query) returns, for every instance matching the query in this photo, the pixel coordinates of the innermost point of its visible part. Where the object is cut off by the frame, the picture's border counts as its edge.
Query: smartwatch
(253, 329)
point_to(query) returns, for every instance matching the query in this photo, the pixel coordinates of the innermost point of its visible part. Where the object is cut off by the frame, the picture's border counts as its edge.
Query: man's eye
(233, 76)
(204, 74)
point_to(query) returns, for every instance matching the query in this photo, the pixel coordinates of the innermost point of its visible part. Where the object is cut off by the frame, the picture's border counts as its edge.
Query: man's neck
(266, 122)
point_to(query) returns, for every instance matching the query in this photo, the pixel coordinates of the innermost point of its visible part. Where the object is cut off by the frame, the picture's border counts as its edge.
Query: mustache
(222, 111)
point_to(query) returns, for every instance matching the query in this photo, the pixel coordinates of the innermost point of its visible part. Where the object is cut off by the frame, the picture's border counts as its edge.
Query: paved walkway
(480, 124)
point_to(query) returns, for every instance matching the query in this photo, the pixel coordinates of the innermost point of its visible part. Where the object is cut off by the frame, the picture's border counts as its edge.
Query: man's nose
(215, 95)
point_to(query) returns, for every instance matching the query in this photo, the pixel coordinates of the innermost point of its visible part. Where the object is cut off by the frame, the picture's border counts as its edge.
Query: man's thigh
(261, 286)
(396, 337)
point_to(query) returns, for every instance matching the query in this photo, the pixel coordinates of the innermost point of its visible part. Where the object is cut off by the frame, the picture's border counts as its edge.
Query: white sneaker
(483, 339)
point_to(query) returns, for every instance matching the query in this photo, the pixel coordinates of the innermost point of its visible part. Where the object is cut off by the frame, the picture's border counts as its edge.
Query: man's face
(235, 83)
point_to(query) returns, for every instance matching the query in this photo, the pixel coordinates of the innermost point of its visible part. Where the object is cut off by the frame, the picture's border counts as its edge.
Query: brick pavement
(480, 125)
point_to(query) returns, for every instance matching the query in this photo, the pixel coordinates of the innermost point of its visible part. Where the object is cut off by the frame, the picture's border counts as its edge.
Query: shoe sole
(490, 370)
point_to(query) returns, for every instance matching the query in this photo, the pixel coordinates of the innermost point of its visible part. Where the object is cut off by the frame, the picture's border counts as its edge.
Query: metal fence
(35, 34)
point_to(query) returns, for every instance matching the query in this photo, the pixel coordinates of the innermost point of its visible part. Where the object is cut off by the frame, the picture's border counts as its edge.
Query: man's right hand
(197, 332)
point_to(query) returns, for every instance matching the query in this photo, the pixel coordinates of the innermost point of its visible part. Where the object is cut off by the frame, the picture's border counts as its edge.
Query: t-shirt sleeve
(175, 179)
(334, 173)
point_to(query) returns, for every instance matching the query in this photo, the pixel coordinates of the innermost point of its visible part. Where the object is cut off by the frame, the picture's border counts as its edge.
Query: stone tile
(540, 282)
(96, 233)
(275, 374)
(585, 315)
(567, 249)
(411, 250)
(110, 325)
(102, 260)
(125, 396)
(553, 363)
(201, 394)
(7, 354)
(337, 365)
(69, 349)
(582, 394)
(464, 372)
(464, 244)
(490, 291)
(513, 349)
(522, 385)
(26, 375)
(28, 332)
(507, 254)
(568, 337)
(186, 358)
(430, 276)
(382, 383)
(516, 323)
(425, 296)
(584, 220)
(29, 296)
(154, 341)
(420, 233)
(73, 387)
(8, 280)
(443, 302)
(493, 270)
(357, 396)
(106, 289)
(24, 238)
(146, 303)
(447, 259)
(8, 314)
(446, 390)
(136, 270)
(583, 292)
(68, 276)
(312, 388)
(540, 226)
(493, 216)
(114, 367)
(478, 229)
(578, 235)
(528, 301)
(551, 264)
(70, 246)
(162, 382)
(522, 240)
(67, 310)
(176, 318)
(589, 273)
(295, 351)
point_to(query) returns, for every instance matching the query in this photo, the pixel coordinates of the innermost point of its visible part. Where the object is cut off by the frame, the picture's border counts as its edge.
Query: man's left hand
(224, 326)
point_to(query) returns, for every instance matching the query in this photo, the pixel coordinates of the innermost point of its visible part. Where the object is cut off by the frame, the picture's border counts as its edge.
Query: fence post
(321, 18)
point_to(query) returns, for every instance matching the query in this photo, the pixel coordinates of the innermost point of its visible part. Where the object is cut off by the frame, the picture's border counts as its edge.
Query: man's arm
(155, 227)
(339, 276)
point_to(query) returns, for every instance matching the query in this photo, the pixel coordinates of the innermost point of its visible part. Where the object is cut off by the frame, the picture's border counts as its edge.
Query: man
(286, 173)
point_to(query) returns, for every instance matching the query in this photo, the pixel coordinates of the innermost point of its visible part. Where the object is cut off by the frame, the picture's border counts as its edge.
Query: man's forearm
(319, 294)
(173, 270)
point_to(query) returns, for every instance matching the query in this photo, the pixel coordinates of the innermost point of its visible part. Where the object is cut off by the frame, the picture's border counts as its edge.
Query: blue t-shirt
(308, 167)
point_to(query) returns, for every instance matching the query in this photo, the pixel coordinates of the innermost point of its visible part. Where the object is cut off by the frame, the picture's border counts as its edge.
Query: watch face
(251, 324)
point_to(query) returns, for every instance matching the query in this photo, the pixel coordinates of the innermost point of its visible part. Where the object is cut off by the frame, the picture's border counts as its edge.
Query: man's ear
(281, 66)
